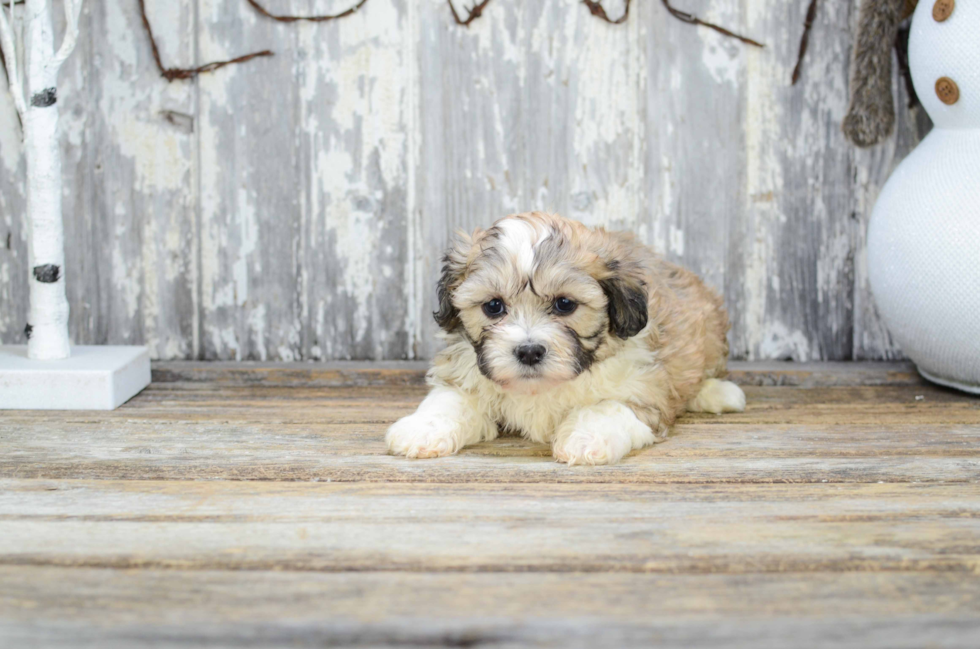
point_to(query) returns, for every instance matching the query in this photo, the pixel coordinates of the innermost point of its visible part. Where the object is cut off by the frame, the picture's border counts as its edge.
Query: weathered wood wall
(295, 207)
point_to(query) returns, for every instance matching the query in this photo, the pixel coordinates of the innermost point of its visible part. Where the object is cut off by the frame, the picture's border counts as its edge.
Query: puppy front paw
(587, 448)
(601, 434)
(424, 436)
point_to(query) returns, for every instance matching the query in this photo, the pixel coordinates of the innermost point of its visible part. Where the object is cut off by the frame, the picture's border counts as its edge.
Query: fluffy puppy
(577, 337)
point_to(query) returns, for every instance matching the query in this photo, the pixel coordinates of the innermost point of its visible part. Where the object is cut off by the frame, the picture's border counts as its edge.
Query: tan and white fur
(577, 337)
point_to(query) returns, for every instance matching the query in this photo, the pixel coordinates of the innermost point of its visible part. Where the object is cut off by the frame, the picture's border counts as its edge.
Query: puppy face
(541, 298)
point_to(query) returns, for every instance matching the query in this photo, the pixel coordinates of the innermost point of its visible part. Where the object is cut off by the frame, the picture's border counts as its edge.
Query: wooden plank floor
(255, 506)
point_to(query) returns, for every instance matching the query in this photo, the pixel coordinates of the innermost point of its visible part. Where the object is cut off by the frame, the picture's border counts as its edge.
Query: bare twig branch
(596, 9)
(694, 20)
(214, 65)
(3, 62)
(3, 58)
(14, 78)
(72, 10)
(472, 14)
(186, 73)
(811, 16)
(310, 19)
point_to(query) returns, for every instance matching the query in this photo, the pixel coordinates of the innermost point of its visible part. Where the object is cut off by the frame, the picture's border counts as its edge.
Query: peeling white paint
(778, 342)
(257, 331)
(413, 236)
(126, 285)
(720, 55)
(606, 115)
(666, 187)
(490, 34)
(835, 253)
(6, 315)
(676, 241)
(151, 268)
(720, 58)
(764, 142)
(248, 238)
(286, 352)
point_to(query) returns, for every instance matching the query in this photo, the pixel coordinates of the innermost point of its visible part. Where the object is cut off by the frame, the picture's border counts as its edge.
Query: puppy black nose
(530, 354)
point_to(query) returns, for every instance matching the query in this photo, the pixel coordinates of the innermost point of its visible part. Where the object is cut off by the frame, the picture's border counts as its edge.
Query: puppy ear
(447, 316)
(627, 306)
(454, 264)
(624, 285)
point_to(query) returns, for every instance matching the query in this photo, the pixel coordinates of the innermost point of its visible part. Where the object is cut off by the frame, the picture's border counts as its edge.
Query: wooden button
(947, 91)
(943, 9)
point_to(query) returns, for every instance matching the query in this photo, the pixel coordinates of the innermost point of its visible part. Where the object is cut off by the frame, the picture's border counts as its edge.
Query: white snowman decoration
(924, 233)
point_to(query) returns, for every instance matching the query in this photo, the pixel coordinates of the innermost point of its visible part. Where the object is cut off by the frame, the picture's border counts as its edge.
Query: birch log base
(232, 505)
(97, 377)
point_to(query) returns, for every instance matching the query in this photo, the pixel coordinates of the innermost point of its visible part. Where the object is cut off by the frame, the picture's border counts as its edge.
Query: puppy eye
(564, 306)
(494, 308)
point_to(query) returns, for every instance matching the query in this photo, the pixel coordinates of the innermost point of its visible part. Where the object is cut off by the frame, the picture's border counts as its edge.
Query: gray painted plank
(129, 181)
(693, 107)
(791, 256)
(303, 194)
(668, 529)
(357, 373)
(248, 174)
(581, 124)
(271, 427)
(471, 148)
(302, 214)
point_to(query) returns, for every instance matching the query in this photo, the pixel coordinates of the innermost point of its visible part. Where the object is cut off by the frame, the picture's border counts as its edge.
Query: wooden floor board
(254, 505)
(346, 373)
(485, 528)
(176, 608)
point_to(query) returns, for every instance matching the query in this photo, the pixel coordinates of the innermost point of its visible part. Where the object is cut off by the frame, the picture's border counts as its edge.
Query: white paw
(423, 436)
(601, 434)
(588, 448)
(717, 397)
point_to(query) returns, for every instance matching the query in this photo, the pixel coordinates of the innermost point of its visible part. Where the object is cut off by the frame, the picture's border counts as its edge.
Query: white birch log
(47, 325)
